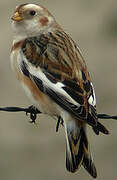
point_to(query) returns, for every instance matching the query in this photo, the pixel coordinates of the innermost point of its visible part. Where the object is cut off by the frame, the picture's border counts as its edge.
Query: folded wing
(55, 65)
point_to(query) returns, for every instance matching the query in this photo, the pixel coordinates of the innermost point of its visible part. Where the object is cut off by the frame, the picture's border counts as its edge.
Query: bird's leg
(33, 111)
(60, 121)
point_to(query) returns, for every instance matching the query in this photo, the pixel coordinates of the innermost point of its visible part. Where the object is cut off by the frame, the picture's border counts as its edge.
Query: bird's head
(30, 19)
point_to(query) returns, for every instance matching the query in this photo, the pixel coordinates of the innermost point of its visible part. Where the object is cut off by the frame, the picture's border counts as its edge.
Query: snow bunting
(54, 75)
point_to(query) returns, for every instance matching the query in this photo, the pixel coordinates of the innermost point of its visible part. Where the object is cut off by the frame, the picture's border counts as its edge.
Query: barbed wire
(30, 110)
(33, 111)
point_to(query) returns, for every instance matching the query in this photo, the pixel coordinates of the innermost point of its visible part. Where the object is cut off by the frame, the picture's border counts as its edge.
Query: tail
(77, 149)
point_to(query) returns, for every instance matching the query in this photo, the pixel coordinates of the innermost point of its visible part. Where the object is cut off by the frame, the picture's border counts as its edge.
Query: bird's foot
(60, 121)
(33, 111)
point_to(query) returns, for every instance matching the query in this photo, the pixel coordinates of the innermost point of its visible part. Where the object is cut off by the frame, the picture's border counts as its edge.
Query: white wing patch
(92, 98)
(37, 72)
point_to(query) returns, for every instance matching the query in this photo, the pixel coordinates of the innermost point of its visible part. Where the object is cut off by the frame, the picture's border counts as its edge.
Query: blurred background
(37, 152)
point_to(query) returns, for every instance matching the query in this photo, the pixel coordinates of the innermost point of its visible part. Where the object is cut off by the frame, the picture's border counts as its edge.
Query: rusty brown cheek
(43, 21)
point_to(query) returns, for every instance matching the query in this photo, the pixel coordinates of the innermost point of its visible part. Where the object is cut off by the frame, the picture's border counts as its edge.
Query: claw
(32, 110)
(60, 121)
(33, 117)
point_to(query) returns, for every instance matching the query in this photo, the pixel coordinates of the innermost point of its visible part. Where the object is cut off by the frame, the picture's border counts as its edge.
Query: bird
(52, 71)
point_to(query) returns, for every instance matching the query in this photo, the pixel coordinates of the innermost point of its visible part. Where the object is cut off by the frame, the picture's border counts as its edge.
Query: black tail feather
(78, 153)
(75, 156)
(89, 166)
(88, 163)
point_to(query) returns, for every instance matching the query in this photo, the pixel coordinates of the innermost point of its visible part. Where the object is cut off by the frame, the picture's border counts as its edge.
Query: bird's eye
(32, 13)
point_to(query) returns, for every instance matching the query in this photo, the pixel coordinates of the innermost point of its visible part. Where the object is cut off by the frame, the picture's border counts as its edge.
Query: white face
(31, 20)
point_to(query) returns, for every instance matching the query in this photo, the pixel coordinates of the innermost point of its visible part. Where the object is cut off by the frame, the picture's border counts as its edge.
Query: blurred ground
(29, 152)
